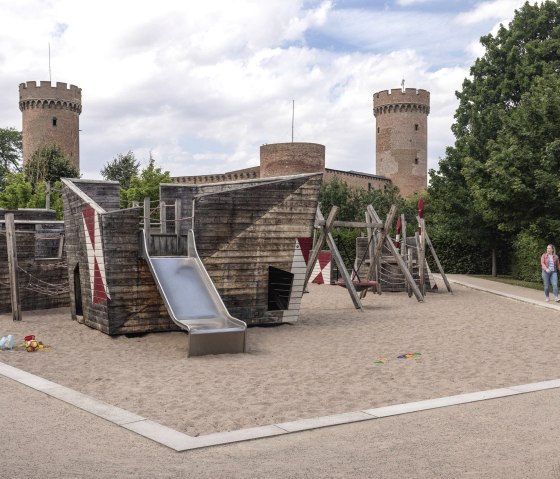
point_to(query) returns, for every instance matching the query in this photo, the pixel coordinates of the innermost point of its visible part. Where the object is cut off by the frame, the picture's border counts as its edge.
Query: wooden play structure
(252, 239)
(32, 261)
(381, 263)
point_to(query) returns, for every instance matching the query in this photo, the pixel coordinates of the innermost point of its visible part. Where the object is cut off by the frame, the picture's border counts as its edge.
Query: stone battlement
(46, 91)
(396, 95)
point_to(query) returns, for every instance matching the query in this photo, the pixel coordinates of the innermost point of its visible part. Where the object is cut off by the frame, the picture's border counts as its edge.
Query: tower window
(416, 127)
(415, 161)
(377, 129)
(54, 121)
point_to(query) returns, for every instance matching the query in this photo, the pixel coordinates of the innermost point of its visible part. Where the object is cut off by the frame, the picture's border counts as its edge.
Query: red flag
(421, 208)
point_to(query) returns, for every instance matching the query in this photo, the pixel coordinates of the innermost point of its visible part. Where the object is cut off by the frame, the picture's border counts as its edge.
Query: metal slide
(194, 303)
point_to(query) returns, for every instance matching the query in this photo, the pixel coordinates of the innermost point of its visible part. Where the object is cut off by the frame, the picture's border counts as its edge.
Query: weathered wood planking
(135, 304)
(37, 256)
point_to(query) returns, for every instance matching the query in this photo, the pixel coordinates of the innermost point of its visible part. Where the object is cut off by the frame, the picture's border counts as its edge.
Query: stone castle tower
(50, 115)
(280, 159)
(402, 137)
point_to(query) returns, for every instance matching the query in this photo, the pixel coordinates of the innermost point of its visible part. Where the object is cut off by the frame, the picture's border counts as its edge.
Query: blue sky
(202, 85)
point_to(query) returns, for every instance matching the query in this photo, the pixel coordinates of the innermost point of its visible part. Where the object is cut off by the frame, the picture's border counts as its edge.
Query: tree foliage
(502, 176)
(10, 152)
(49, 164)
(20, 193)
(122, 169)
(146, 184)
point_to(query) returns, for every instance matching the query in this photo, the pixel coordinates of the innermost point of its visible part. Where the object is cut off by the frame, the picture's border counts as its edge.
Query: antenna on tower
(50, 79)
(293, 111)
(402, 85)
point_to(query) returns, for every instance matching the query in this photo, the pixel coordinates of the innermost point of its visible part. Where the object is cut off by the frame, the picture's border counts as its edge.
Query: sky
(201, 85)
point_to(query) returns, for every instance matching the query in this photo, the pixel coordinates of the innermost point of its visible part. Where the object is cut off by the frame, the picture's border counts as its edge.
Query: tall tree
(122, 169)
(49, 164)
(10, 152)
(490, 184)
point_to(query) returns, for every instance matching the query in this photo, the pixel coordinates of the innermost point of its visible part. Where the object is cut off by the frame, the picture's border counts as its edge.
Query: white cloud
(203, 84)
(502, 10)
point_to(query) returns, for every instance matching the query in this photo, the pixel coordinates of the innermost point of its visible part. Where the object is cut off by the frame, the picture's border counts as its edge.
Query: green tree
(146, 184)
(498, 177)
(10, 152)
(20, 193)
(49, 164)
(122, 169)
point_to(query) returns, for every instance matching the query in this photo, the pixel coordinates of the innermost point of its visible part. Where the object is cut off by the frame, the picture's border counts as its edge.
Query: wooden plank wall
(135, 305)
(36, 257)
(241, 232)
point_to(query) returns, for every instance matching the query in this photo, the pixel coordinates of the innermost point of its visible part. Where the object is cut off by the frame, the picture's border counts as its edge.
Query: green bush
(527, 250)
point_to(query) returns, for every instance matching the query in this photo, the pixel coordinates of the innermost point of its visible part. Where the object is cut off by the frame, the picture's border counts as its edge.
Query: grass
(510, 280)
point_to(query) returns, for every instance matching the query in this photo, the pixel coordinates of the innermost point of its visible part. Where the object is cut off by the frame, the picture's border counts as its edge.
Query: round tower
(282, 159)
(402, 137)
(50, 115)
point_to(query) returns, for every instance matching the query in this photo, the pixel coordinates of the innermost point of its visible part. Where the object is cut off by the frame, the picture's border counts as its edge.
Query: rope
(43, 287)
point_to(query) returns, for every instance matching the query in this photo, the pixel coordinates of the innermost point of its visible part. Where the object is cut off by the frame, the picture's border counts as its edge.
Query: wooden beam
(320, 242)
(422, 257)
(344, 272)
(436, 259)
(400, 261)
(178, 224)
(379, 246)
(13, 266)
(352, 224)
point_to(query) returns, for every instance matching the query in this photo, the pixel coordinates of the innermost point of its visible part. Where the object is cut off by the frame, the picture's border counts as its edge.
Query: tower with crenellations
(50, 115)
(402, 137)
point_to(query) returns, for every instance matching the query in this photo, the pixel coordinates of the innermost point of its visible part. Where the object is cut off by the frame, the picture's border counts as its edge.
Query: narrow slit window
(415, 161)
(54, 120)
(416, 126)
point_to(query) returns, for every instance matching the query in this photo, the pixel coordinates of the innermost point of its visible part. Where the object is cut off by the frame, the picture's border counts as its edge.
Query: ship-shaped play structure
(208, 259)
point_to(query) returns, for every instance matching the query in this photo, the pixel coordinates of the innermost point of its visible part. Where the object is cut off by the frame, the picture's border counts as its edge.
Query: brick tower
(50, 115)
(280, 159)
(402, 137)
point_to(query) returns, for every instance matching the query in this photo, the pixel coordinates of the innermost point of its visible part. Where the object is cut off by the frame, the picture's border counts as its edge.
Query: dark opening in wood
(279, 288)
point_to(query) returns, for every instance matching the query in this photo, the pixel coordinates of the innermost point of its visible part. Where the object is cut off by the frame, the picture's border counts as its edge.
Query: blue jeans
(549, 278)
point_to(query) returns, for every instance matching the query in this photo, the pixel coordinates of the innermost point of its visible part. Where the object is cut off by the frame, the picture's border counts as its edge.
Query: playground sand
(335, 359)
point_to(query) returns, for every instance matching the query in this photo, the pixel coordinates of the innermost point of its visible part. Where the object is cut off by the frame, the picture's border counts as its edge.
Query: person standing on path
(550, 266)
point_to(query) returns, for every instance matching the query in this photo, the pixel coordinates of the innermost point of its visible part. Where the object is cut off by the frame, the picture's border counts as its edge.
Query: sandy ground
(325, 364)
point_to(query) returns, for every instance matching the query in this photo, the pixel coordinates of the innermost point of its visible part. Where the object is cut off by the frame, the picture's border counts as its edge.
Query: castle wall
(402, 137)
(357, 180)
(50, 115)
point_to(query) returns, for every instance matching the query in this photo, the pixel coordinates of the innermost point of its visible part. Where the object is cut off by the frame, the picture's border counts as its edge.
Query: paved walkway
(512, 435)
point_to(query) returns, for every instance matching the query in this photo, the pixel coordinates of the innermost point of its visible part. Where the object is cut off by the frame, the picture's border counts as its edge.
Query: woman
(550, 266)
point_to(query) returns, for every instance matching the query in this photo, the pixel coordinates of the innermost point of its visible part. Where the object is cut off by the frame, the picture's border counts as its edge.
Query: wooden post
(147, 225)
(48, 196)
(422, 263)
(436, 259)
(178, 224)
(13, 266)
(404, 248)
(61, 245)
(162, 218)
(397, 256)
(379, 246)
